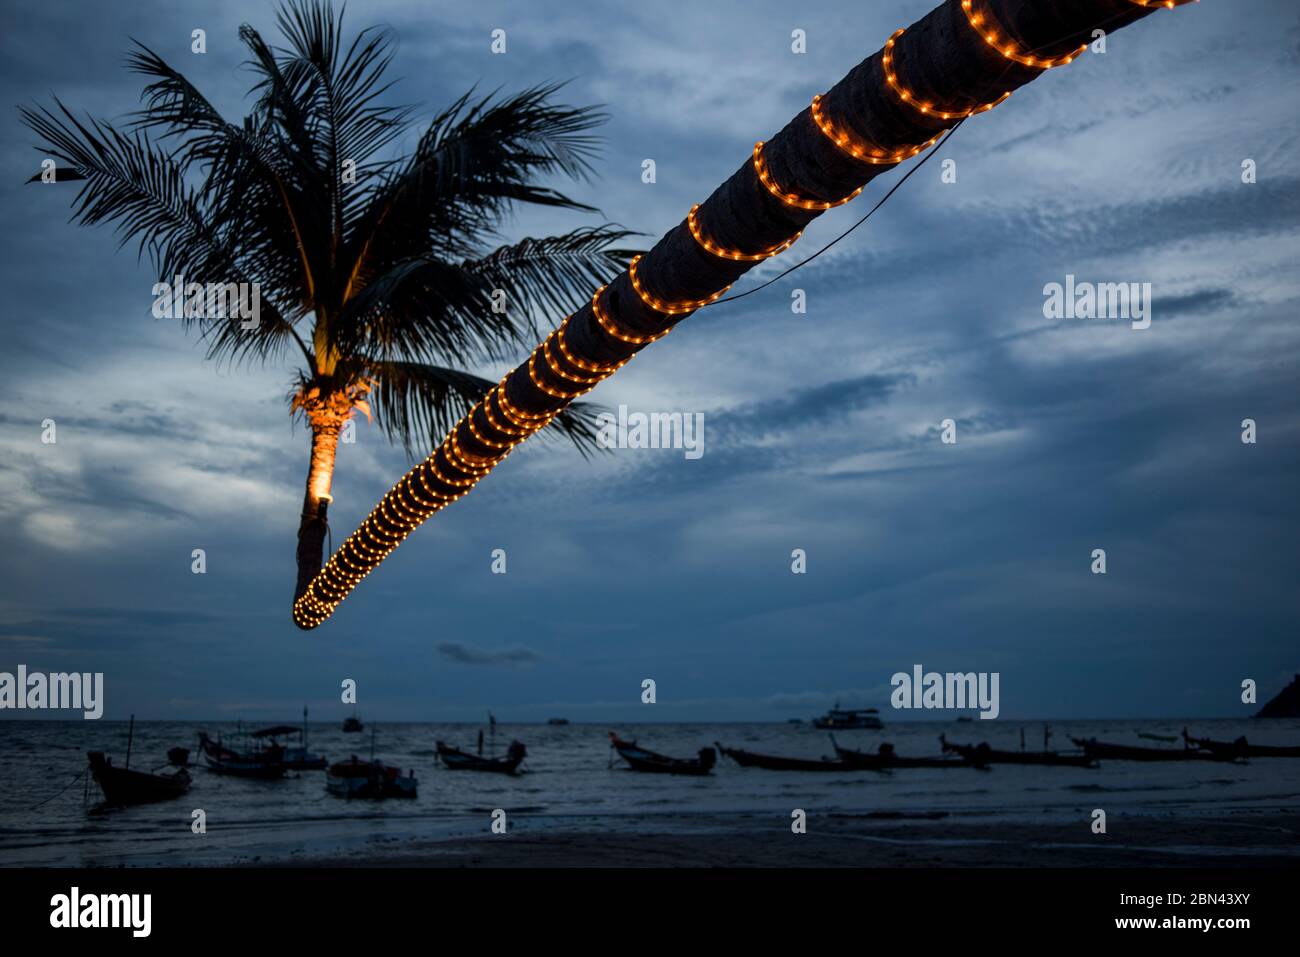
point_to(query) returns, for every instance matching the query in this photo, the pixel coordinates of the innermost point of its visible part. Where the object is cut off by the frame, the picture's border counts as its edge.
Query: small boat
(372, 779)
(1166, 738)
(352, 724)
(122, 786)
(178, 757)
(294, 757)
(457, 760)
(267, 763)
(1241, 748)
(639, 759)
(886, 759)
(981, 754)
(849, 719)
(557, 722)
(1123, 752)
(769, 762)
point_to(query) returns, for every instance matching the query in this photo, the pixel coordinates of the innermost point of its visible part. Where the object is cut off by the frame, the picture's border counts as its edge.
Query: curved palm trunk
(314, 524)
(961, 58)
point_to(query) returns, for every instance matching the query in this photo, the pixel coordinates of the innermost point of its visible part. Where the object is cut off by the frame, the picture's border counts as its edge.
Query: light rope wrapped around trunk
(963, 58)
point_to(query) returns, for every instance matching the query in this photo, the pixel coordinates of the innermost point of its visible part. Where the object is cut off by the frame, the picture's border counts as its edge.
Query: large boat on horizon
(849, 719)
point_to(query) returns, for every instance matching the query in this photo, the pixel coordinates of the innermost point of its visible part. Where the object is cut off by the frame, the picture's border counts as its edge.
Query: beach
(1251, 839)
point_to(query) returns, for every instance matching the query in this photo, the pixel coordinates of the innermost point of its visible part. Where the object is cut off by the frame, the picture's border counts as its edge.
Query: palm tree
(963, 58)
(378, 271)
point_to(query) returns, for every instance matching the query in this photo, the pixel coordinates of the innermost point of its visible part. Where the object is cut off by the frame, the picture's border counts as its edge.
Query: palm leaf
(417, 404)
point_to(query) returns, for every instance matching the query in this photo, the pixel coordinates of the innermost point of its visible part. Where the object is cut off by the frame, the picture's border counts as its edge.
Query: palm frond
(552, 276)
(417, 404)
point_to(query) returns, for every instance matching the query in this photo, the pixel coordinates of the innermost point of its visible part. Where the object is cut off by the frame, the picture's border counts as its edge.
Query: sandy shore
(1267, 839)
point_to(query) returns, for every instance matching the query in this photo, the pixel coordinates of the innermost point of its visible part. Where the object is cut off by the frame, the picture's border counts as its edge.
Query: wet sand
(1265, 839)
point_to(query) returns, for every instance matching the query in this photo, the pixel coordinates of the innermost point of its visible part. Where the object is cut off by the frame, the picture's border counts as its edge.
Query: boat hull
(368, 781)
(985, 755)
(770, 762)
(650, 762)
(454, 759)
(123, 787)
(1123, 752)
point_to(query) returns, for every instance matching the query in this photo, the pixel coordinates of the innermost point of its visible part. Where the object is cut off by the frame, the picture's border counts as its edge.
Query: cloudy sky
(822, 430)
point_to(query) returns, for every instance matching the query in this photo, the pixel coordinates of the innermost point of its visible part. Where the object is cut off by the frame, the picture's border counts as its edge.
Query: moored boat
(371, 779)
(456, 760)
(295, 757)
(980, 754)
(1123, 752)
(122, 786)
(887, 759)
(352, 724)
(642, 759)
(770, 762)
(1241, 748)
(267, 763)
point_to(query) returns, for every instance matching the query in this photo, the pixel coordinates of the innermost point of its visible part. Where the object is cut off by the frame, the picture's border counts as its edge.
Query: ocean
(575, 782)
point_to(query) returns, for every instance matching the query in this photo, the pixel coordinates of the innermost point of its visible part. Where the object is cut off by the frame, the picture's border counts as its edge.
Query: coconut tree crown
(384, 271)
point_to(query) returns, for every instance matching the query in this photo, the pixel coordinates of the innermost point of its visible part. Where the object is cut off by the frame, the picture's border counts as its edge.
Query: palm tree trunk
(325, 430)
(961, 58)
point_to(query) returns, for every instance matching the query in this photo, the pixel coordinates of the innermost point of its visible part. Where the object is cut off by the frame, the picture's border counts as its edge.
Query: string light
(583, 364)
(537, 380)
(554, 365)
(403, 508)
(693, 222)
(983, 25)
(670, 308)
(792, 199)
(614, 329)
(863, 153)
(908, 97)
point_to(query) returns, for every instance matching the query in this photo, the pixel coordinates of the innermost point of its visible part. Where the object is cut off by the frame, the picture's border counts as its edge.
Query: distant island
(1285, 704)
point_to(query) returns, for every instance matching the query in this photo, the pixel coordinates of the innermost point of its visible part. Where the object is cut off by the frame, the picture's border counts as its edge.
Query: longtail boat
(267, 763)
(122, 786)
(770, 762)
(1241, 748)
(456, 760)
(641, 759)
(886, 759)
(294, 757)
(980, 754)
(372, 779)
(1123, 752)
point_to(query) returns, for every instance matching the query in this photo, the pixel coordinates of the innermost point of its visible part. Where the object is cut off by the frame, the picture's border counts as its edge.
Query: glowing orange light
(669, 308)
(865, 154)
(908, 97)
(984, 25)
(693, 222)
(614, 329)
(583, 364)
(792, 199)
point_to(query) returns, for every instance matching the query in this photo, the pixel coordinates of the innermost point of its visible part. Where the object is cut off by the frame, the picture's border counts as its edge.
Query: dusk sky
(822, 430)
